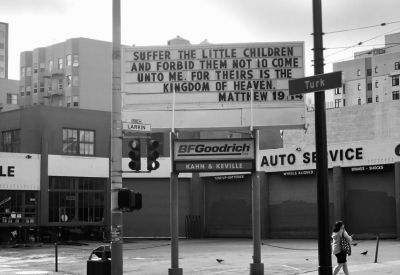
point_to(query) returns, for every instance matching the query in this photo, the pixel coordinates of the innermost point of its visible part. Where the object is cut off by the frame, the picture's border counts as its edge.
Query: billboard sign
(213, 80)
(214, 155)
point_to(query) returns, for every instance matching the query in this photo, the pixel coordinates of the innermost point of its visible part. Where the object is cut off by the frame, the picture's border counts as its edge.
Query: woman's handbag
(345, 245)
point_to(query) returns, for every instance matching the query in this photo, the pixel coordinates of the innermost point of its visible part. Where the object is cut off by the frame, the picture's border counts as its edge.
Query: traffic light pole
(116, 143)
(324, 249)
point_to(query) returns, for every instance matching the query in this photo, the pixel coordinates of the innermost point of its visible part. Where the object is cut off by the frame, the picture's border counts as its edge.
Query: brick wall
(355, 123)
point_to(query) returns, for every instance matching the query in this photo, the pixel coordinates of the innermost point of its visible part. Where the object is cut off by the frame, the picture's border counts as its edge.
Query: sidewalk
(198, 257)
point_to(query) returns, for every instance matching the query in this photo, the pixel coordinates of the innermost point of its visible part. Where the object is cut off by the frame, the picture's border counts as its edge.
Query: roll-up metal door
(153, 220)
(228, 205)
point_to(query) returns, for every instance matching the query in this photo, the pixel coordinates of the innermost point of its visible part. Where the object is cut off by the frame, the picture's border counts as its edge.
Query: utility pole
(324, 249)
(116, 143)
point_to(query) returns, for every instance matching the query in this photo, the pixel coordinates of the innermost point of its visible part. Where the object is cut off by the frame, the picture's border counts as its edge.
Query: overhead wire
(360, 43)
(373, 26)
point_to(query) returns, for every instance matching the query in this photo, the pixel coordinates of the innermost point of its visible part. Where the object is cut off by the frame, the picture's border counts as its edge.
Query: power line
(360, 43)
(367, 53)
(362, 46)
(381, 25)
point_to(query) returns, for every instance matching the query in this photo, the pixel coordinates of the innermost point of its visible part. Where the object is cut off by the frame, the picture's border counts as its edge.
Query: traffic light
(129, 200)
(134, 154)
(152, 155)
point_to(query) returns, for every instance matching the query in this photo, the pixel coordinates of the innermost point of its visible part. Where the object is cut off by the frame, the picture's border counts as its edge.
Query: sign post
(324, 244)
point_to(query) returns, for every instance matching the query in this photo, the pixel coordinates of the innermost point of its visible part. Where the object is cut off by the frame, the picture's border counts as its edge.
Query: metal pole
(377, 248)
(56, 259)
(256, 268)
(324, 249)
(174, 270)
(116, 143)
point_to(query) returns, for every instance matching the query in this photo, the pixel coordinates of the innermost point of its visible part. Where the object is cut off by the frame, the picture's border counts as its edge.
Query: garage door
(153, 220)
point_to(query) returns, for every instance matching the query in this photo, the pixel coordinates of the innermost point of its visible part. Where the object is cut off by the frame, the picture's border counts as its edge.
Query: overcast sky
(40, 23)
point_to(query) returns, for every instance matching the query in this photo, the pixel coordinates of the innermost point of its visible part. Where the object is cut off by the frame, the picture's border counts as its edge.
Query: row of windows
(11, 141)
(72, 60)
(395, 96)
(70, 81)
(395, 82)
(369, 71)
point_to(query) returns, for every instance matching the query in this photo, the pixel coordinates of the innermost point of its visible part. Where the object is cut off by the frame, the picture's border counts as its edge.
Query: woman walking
(338, 231)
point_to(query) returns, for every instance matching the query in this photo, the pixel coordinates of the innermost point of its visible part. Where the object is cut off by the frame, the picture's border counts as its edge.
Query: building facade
(3, 50)
(372, 76)
(73, 74)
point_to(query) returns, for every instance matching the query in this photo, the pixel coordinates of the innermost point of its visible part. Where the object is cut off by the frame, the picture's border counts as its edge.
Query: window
(358, 72)
(42, 87)
(28, 90)
(376, 84)
(377, 99)
(60, 86)
(395, 80)
(69, 80)
(60, 103)
(41, 66)
(369, 100)
(1, 46)
(395, 95)
(76, 61)
(22, 71)
(75, 80)
(75, 100)
(344, 89)
(11, 141)
(359, 101)
(50, 65)
(21, 208)
(12, 99)
(35, 88)
(22, 91)
(376, 69)
(60, 63)
(73, 199)
(337, 91)
(397, 65)
(1, 34)
(68, 101)
(344, 102)
(35, 68)
(1, 58)
(78, 142)
(49, 87)
(369, 86)
(69, 60)
(359, 86)
(337, 103)
(28, 71)
(369, 72)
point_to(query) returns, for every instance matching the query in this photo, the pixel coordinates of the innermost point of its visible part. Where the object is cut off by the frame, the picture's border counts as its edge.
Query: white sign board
(211, 85)
(135, 127)
(19, 171)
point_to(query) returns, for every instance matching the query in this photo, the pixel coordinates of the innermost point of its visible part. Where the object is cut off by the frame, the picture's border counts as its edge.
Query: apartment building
(73, 74)
(3, 50)
(372, 76)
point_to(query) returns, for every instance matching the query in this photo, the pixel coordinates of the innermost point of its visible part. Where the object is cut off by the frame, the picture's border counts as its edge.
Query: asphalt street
(199, 257)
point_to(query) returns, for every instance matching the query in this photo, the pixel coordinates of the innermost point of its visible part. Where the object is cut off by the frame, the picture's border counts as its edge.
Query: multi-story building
(3, 50)
(372, 76)
(73, 74)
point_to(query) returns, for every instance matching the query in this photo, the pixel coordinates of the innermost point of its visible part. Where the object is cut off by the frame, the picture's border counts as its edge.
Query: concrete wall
(361, 122)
